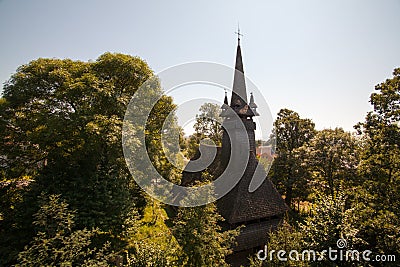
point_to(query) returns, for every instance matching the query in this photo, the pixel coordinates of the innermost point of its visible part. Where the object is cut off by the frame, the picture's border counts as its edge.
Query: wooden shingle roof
(240, 205)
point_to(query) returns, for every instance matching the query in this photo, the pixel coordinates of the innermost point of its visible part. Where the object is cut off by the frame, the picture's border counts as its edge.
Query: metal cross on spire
(238, 34)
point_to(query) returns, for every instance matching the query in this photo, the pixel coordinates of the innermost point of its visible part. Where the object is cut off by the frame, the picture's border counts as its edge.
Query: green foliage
(330, 220)
(378, 227)
(193, 143)
(149, 254)
(200, 235)
(285, 238)
(208, 125)
(208, 122)
(332, 155)
(382, 133)
(288, 173)
(254, 262)
(201, 238)
(62, 123)
(57, 243)
(152, 243)
(377, 199)
(362, 176)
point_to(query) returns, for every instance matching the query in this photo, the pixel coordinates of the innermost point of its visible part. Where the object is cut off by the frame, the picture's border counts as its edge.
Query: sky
(321, 59)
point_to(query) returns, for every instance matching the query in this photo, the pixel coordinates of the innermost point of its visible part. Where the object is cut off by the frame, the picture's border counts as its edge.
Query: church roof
(240, 205)
(256, 234)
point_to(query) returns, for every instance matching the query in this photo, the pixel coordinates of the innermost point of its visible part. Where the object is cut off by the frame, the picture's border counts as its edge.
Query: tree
(333, 157)
(192, 146)
(198, 232)
(329, 221)
(202, 239)
(378, 196)
(208, 125)
(208, 122)
(62, 123)
(286, 238)
(377, 226)
(382, 133)
(58, 244)
(291, 132)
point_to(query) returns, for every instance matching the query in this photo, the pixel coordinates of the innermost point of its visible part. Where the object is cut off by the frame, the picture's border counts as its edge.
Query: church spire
(239, 94)
(253, 105)
(239, 104)
(238, 34)
(225, 107)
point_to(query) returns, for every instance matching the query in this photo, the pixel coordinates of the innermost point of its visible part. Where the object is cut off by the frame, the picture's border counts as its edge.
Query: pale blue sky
(319, 58)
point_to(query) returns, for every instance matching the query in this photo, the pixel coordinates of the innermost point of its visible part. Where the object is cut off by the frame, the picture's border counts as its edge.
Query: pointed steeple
(253, 105)
(239, 94)
(225, 110)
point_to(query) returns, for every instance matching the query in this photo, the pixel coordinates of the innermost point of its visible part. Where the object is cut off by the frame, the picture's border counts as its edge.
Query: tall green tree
(382, 133)
(208, 125)
(378, 197)
(288, 171)
(332, 155)
(62, 123)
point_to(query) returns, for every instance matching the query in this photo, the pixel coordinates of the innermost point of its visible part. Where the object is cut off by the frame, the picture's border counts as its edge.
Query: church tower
(239, 109)
(261, 210)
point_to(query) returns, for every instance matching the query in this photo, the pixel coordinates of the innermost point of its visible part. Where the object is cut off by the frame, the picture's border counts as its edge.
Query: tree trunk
(289, 194)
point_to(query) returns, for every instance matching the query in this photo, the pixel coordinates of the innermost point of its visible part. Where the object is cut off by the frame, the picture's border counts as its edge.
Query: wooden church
(259, 211)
